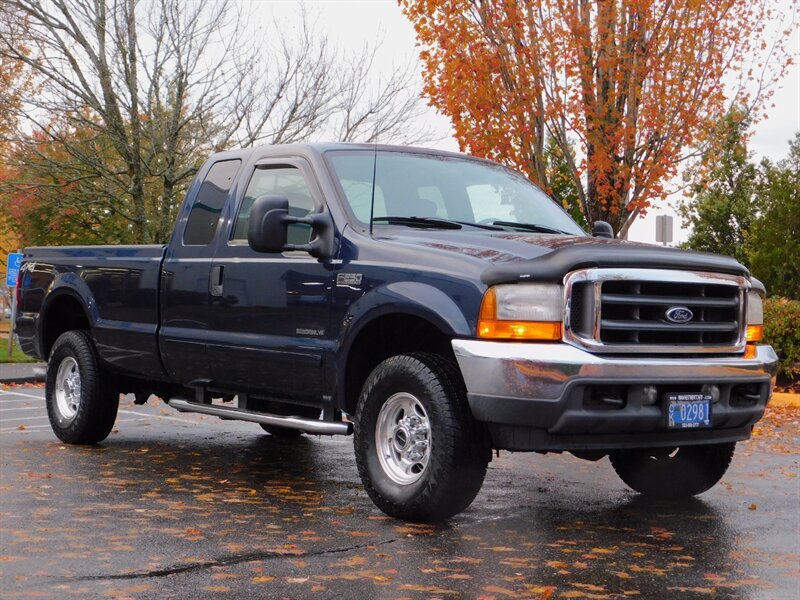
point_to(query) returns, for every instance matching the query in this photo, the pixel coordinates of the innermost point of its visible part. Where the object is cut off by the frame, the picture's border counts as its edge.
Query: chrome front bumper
(549, 387)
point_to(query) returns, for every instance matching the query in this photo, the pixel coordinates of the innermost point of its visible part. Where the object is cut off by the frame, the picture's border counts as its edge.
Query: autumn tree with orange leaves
(634, 82)
(14, 85)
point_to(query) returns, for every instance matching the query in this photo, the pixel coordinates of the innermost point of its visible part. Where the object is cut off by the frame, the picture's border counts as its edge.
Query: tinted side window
(278, 180)
(203, 220)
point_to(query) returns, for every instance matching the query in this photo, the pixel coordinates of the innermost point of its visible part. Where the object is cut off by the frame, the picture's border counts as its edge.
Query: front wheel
(420, 453)
(81, 405)
(673, 472)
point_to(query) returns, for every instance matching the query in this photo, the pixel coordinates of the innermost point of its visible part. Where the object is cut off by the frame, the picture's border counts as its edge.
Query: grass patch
(17, 355)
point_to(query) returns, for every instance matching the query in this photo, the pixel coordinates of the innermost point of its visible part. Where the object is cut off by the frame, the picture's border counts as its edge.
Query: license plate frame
(688, 410)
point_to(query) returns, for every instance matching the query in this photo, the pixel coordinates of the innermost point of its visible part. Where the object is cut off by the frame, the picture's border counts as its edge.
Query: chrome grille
(625, 310)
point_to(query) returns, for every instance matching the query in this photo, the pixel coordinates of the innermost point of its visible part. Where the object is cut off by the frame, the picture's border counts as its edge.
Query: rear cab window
(205, 214)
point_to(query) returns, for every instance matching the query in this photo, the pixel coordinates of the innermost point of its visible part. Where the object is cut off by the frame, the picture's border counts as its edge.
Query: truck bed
(119, 284)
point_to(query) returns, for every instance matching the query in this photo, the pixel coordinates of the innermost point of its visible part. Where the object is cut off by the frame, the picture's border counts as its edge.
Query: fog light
(713, 390)
(649, 395)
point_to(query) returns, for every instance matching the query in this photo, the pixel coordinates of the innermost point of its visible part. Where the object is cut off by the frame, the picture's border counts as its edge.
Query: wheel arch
(394, 319)
(63, 311)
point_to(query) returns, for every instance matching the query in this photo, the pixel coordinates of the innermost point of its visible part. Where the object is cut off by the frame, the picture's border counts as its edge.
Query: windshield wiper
(434, 222)
(419, 222)
(530, 227)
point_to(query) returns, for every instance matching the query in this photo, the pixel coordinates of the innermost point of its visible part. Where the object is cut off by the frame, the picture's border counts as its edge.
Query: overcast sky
(351, 23)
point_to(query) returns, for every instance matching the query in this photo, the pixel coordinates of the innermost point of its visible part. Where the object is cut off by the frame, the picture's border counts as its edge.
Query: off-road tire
(459, 446)
(97, 408)
(685, 472)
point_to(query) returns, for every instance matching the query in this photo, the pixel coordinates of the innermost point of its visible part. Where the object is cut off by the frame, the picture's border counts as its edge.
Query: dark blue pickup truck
(437, 305)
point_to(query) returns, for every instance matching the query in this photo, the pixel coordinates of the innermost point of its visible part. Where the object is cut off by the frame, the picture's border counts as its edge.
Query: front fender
(398, 298)
(406, 297)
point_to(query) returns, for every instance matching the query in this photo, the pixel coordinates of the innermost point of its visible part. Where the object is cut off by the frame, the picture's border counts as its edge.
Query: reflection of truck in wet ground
(439, 305)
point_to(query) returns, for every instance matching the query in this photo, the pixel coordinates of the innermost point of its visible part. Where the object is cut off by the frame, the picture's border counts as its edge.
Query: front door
(269, 327)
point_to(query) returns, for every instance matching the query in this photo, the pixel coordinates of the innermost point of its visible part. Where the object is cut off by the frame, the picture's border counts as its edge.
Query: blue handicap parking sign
(14, 263)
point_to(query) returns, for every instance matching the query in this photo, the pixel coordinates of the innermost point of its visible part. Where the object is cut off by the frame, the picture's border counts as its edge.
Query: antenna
(374, 174)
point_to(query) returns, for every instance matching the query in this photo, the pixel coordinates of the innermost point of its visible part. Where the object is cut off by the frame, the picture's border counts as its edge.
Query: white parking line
(32, 427)
(21, 408)
(141, 414)
(130, 412)
(22, 419)
(12, 429)
(18, 401)
(6, 393)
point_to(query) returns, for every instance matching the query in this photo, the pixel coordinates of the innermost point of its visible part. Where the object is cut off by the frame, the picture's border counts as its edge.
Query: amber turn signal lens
(488, 307)
(750, 351)
(755, 333)
(491, 327)
(519, 330)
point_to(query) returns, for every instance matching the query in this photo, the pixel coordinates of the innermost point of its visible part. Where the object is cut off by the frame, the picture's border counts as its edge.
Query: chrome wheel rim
(68, 389)
(403, 438)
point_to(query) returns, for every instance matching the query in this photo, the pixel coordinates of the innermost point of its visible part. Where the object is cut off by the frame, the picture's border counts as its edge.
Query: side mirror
(269, 222)
(267, 228)
(602, 229)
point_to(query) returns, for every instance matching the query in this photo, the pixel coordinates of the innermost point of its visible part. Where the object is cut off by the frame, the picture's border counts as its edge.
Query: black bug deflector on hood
(555, 265)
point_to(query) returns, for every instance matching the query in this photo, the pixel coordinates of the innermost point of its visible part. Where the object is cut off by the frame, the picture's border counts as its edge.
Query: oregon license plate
(688, 410)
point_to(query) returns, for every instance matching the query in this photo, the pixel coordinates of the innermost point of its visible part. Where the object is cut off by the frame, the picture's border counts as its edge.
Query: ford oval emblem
(679, 314)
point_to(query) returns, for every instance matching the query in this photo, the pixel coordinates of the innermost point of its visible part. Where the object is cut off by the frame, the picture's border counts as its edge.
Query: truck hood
(512, 256)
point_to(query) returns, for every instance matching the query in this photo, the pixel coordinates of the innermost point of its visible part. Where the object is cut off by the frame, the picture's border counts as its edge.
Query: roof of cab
(320, 148)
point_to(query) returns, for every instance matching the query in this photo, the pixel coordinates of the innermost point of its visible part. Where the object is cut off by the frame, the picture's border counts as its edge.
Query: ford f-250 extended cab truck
(439, 305)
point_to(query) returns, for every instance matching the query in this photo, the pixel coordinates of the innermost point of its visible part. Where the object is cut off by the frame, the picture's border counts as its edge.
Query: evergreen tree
(723, 188)
(560, 178)
(773, 245)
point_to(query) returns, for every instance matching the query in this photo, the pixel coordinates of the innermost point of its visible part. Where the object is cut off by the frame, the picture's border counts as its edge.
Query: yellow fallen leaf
(493, 589)
(557, 564)
(589, 587)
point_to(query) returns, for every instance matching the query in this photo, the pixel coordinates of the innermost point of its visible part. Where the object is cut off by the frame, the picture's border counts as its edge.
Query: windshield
(429, 186)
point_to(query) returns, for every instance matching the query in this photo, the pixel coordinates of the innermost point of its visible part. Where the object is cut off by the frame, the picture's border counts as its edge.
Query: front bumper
(551, 396)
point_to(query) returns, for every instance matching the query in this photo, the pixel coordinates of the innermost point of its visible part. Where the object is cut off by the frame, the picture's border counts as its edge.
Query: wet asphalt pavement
(185, 506)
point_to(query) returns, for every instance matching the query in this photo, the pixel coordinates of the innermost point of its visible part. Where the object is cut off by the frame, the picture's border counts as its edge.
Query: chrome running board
(238, 414)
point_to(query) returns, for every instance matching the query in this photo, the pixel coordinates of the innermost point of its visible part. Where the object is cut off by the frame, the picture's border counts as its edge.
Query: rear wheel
(673, 472)
(81, 405)
(420, 453)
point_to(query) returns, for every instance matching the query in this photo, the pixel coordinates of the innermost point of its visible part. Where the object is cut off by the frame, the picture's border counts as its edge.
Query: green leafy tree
(723, 186)
(561, 180)
(773, 245)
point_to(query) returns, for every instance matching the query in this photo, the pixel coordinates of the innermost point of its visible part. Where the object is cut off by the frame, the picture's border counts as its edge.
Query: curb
(37, 376)
(782, 400)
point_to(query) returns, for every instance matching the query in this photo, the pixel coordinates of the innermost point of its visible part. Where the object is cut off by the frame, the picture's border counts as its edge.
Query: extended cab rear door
(268, 328)
(185, 295)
